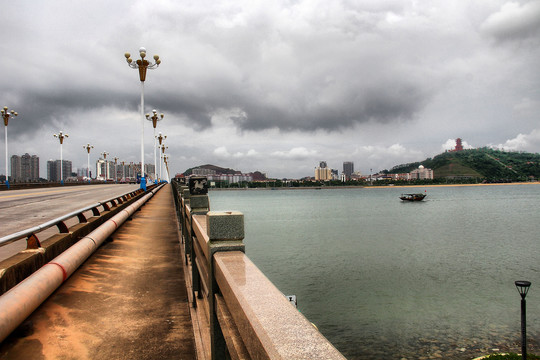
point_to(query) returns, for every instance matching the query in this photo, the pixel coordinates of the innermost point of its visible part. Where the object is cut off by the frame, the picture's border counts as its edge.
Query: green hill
(216, 169)
(490, 164)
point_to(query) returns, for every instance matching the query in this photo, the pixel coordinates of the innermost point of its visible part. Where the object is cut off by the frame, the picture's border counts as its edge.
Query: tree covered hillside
(493, 165)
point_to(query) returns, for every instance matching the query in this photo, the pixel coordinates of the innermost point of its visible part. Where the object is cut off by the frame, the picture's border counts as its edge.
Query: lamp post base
(143, 184)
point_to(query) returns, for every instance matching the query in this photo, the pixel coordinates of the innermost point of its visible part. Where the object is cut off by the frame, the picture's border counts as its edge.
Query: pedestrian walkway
(128, 301)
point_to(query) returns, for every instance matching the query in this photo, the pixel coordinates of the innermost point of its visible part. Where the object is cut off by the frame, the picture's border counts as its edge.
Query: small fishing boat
(412, 197)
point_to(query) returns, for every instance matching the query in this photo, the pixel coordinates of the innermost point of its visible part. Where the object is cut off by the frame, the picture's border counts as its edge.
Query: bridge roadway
(23, 209)
(127, 301)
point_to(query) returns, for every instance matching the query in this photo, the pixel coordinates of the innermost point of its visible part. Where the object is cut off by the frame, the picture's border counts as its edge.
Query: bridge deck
(128, 301)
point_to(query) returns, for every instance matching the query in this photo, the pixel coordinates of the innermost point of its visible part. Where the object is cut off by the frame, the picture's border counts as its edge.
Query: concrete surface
(128, 301)
(23, 209)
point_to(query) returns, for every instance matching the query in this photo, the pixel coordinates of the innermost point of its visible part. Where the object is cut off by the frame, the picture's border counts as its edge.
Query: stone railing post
(225, 233)
(199, 205)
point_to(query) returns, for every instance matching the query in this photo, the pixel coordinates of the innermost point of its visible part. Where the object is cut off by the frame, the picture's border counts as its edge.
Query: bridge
(141, 275)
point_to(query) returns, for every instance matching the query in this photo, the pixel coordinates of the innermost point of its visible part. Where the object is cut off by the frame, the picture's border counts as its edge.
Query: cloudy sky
(275, 86)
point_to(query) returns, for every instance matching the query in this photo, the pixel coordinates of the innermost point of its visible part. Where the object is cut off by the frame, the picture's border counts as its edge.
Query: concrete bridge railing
(240, 313)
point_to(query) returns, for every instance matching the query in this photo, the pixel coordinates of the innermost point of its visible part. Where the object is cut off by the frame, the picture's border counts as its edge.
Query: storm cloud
(274, 86)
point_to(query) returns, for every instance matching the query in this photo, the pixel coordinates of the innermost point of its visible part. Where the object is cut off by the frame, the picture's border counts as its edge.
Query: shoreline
(371, 187)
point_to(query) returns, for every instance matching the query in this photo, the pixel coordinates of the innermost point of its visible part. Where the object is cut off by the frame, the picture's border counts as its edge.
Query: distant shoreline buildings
(24, 168)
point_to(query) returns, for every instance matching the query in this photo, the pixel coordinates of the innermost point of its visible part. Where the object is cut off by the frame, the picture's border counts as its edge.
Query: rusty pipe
(20, 301)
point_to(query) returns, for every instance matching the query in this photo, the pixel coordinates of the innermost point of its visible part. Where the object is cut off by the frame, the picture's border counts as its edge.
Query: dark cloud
(282, 67)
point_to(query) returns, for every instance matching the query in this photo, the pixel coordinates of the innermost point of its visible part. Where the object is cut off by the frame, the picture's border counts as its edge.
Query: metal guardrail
(243, 315)
(60, 221)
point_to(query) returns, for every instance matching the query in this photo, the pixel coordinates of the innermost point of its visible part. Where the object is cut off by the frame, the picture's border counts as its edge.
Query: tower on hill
(459, 146)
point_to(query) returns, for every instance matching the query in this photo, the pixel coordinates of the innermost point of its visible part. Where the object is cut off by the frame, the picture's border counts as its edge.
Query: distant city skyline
(272, 86)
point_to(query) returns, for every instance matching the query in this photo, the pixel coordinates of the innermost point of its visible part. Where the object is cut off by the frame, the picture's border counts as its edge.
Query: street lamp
(142, 65)
(115, 172)
(88, 147)
(160, 139)
(104, 154)
(523, 289)
(155, 118)
(165, 158)
(123, 171)
(6, 115)
(61, 137)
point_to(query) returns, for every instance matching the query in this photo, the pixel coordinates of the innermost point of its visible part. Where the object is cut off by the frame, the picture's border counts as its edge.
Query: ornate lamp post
(115, 172)
(523, 289)
(155, 118)
(88, 147)
(160, 139)
(165, 158)
(163, 148)
(6, 115)
(61, 137)
(142, 65)
(104, 154)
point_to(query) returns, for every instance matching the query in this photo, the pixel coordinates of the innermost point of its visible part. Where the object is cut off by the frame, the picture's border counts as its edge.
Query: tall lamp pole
(104, 154)
(160, 139)
(142, 65)
(88, 147)
(523, 289)
(61, 137)
(163, 148)
(6, 115)
(115, 172)
(155, 118)
(165, 158)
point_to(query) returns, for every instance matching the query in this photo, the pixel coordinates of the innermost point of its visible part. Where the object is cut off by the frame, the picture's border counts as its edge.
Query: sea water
(386, 279)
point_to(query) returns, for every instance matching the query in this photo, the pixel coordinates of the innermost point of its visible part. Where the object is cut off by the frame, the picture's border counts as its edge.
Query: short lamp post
(88, 147)
(154, 118)
(160, 138)
(6, 115)
(142, 64)
(523, 289)
(61, 137)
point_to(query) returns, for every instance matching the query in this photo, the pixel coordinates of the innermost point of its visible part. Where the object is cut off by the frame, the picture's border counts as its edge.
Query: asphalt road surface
(23, 209)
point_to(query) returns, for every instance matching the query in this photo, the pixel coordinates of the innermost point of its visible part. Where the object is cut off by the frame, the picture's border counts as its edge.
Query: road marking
(36, 193)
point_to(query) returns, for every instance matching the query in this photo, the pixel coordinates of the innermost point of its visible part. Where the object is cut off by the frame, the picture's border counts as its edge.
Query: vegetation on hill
(217, 169)
(486, 163)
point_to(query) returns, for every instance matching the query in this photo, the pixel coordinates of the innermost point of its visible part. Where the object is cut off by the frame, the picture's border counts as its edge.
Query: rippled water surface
(383, 279)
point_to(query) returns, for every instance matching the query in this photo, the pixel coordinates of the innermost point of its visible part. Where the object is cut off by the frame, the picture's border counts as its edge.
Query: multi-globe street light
(163, 148)
(160, 138)
(88, 147)
(115, 172)
(165, 158)
(142, 64)
(6, 115)
(154, 118)
(104, 154)
(61, 137)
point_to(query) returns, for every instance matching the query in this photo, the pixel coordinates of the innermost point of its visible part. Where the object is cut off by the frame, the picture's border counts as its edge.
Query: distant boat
(412, 197)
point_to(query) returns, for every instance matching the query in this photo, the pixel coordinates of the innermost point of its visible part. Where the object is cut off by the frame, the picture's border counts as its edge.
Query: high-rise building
(322, 172)
(24, 168)
(348, 169)
(53, 170)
